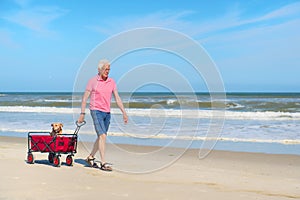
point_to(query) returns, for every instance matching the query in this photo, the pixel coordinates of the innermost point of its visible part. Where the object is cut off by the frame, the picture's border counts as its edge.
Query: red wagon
(54, 146)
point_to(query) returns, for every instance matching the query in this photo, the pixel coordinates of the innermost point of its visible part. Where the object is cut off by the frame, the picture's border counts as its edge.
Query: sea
(246, 122)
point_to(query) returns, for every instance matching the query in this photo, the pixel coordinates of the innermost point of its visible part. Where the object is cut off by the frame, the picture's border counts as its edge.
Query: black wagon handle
(80, 124)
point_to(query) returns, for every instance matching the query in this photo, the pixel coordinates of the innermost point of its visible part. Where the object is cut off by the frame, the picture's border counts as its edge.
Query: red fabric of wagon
(45, 143)
(65, 144)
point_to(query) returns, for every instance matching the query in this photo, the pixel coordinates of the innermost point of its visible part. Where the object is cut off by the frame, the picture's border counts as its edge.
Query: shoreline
(220, 175)
(232, 146)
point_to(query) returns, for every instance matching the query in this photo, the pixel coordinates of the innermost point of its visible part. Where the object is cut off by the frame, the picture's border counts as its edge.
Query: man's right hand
(81, 118)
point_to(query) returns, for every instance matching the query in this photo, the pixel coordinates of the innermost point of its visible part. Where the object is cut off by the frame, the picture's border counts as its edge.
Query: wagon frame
(43, 142)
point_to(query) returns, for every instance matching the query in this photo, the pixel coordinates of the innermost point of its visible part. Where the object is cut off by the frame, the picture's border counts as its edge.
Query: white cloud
(36, 18)
(267, 32)
(165, 19)
(285, 11)
(235, 21)
(245, 47)
(232, 21)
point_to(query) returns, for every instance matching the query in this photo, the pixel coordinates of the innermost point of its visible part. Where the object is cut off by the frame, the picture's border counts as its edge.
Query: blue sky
(255, 44)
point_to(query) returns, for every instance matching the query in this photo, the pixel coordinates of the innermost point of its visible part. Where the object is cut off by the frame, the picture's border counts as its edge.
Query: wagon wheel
(69, 160)
(30, 158)
(56, 161)
(50, 157)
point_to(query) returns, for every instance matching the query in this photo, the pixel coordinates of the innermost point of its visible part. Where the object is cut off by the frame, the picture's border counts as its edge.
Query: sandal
(106, 167)
(95, 166)
(90, 162)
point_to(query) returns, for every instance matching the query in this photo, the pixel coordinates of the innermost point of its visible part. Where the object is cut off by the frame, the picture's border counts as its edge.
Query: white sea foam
(182, 113)
(58, 100)
(234, 105)
(215, 113)
(164, 136)
(171, 101)
(38, 109)
(197, 138)
(172, 137)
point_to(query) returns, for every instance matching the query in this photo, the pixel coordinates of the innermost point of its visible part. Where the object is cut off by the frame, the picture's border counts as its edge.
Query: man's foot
(106, 167)
(95, 166)
(90, 161)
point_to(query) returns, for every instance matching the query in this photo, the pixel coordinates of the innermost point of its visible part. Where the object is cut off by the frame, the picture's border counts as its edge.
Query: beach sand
(220, 175)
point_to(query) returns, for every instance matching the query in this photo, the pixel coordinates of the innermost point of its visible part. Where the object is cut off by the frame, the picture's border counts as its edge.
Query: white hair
(103, 63)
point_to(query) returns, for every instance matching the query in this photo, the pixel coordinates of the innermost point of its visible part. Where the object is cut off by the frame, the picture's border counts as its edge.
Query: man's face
(105, 71)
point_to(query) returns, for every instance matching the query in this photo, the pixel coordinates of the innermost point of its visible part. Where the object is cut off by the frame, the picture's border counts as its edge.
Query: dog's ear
(61, 125)
(52, 125)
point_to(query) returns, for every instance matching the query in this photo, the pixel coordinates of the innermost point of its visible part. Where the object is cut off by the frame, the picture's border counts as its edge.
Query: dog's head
(57, 127)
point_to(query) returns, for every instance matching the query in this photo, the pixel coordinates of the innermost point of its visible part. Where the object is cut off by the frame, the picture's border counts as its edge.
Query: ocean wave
(248, 105)
(198, 138)
(234, 105)
(164, 136)
(184, 104)
(56, 100)
(171, 101)
(240, 115)
(177, 113)
(38, 109)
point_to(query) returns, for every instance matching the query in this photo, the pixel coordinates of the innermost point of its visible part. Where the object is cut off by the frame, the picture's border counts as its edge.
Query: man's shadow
(81, 162)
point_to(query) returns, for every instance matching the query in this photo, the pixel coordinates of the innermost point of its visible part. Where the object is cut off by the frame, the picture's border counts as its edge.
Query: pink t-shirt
(101, 92)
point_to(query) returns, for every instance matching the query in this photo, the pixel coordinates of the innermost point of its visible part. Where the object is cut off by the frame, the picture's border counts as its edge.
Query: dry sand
(221, 175)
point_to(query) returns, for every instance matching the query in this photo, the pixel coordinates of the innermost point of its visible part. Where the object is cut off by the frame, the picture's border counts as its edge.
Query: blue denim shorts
(101, 121)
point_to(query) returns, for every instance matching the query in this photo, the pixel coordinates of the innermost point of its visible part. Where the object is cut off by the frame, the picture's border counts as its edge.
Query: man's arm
(83, 105)
(120, 105)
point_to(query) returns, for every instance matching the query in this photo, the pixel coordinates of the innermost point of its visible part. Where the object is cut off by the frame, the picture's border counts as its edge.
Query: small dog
(56, 129)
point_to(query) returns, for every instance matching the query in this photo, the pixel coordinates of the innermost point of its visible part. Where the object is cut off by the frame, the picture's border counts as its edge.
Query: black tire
(69, 160)
(56, 161)
(30, 158)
